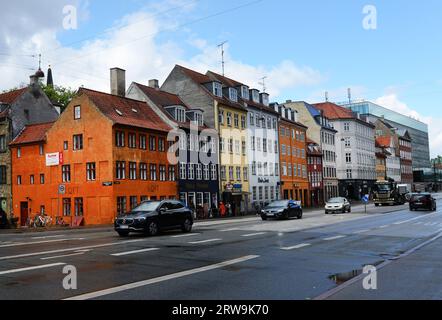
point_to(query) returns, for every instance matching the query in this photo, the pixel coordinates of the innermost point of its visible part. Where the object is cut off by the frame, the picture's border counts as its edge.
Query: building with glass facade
(417, 129)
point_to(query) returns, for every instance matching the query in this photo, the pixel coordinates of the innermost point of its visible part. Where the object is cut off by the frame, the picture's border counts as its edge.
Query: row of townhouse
(199, 138)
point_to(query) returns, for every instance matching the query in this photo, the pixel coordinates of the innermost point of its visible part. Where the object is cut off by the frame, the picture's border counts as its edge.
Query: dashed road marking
(120, 254)
(334, 238)
(205, 241)
(299, 246)
(253, 234)
(362, 231)
(78, 253)
(32, 268)
(186, 235)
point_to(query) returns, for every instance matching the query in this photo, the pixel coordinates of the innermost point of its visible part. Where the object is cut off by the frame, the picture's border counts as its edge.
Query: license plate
(124, 227)
(418, 203)
(270, 214)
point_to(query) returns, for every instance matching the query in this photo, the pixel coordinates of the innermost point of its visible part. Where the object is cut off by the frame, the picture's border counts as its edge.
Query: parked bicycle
(41, 220)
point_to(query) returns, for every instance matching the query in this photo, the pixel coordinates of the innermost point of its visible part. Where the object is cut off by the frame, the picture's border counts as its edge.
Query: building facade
(418, 130)
(103, 156)
(197, 157)
(355, 150)
(315, 171)
(393, 160)
(381, 161)
(320, 129)
(223, 112)
(293, 157)
(19, 108)
(406, 155)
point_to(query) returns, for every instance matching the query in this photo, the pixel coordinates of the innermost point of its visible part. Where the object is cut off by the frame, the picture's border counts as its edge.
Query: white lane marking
(253, 234)
(18, 244)
(67, 250)
(299, 246)
(361, 231)
(228, 230)
(134, 252)
(32, 268)
(205, 241)
(334, 238)
(418, 223)
(79, 253)
(144, 283)
(414, 219)
(383, 227)
(49, 237)
(186, 235)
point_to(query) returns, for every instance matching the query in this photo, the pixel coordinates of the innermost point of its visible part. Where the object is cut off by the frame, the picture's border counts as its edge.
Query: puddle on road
(343, 277)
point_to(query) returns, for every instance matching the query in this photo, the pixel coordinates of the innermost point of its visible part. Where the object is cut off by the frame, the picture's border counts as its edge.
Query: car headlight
(142, 219)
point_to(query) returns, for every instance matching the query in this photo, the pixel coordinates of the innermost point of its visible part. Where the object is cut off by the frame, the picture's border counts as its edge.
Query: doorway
(24, 213)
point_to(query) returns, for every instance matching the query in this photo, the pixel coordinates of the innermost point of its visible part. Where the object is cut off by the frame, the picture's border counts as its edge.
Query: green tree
(59, 95)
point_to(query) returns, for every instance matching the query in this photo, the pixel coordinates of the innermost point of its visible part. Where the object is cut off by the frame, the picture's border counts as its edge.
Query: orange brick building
(108, 153)
(293, 157)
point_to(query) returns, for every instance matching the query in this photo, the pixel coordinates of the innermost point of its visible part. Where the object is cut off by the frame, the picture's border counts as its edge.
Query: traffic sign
(366, 198)
(61, 189)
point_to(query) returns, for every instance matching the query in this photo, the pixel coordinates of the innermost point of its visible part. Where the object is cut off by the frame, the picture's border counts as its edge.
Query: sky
(304, 48)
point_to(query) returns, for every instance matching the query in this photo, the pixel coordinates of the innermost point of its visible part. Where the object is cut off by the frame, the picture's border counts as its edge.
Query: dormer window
(218, 89)
(180, 115)
(265, 99)
(245, 93)
(199, 119)
(233, 94)
(255, 95)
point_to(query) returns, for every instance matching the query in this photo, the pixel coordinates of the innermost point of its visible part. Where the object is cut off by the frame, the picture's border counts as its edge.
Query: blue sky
(320, 43)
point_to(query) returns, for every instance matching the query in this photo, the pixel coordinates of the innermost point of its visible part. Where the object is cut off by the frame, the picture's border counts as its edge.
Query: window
(243, 122)
(41, 149)
(199, 171)
(143, 145)
(162, 173)
(231, 146)
(42, 178)
(66, 145)
(218, 89)
(231, 174)
(223, 173)
(143, 171)
(19, 180)
(2, 143)
(214, 172)
(191, 171)
(79, 207)
(246, 174)
(153, 172)
(252, 143)
(119, 139)
(252, 119)
(233, 94)
(222, 147)
(67, 207)
(3, 174)
(236, 120)
(91, 174)
(172, 173)
(349, 174)
(121, 205)
(244, 148)
(221, 117)
(254, 193)
(18, 152)
(245, 93)
(348, 157)
(66, 173)
(237, 147)
(132, 171)
(77, 112)
(132, 143)
(206, 172)
(152, 143)
(161, 145)
(183, 171)
(133, 202)
(347, 142)
(229, 119)
(180, 115)
(346, 126)
(238, 173)
(121, 170)
(264, 145)
(255, 96)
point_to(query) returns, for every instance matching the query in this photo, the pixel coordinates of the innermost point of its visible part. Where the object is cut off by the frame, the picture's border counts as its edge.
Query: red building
(405, 148)
(314, 169)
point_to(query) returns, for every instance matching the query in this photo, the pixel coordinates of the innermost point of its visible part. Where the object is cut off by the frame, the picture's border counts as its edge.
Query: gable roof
(333, 111)
(195, 76)
(161, 98)
(142, 117)
(384, 141)
(226, 81)
(32, 134)
(11, 96)
(313, 148)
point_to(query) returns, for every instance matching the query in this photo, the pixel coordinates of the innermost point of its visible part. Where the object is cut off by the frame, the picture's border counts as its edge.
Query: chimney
(118, 82)
(154, 84)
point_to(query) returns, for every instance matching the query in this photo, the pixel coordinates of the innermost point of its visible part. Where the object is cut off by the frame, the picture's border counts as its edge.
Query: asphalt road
(233, 260)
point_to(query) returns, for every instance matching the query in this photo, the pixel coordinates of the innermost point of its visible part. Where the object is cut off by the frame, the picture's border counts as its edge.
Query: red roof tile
(384, 142)
(227, 81)
(11, 96)
(162, 98)
(142, 117)
(32, 134)
(333, 111)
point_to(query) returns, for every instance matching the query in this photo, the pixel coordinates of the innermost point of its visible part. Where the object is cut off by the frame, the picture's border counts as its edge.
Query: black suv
(152, 217)
(422, 201)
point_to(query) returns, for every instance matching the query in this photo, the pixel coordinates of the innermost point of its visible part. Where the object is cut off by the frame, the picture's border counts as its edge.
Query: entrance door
(24, 213)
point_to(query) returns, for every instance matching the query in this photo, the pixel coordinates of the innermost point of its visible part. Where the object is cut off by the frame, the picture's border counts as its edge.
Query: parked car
(282, 209)
(337, 205)
(152, 217)
(423, 201)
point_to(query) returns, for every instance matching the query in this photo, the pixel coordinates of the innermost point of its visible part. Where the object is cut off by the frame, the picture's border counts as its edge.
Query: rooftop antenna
(326, 96)
(221, 45)
(349, 95)
(263, 83)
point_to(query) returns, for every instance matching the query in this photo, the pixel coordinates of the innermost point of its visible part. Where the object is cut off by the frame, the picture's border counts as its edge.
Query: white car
(337, 205)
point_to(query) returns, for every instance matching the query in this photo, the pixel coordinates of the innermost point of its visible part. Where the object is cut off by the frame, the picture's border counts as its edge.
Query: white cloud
(391, 101)
(133, 43)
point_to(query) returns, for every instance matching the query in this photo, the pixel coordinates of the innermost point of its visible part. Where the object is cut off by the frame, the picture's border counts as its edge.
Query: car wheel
(123, 234)
(152, 229)
(264, 218)
(299, 215)
(187, 226)
(349, 210)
